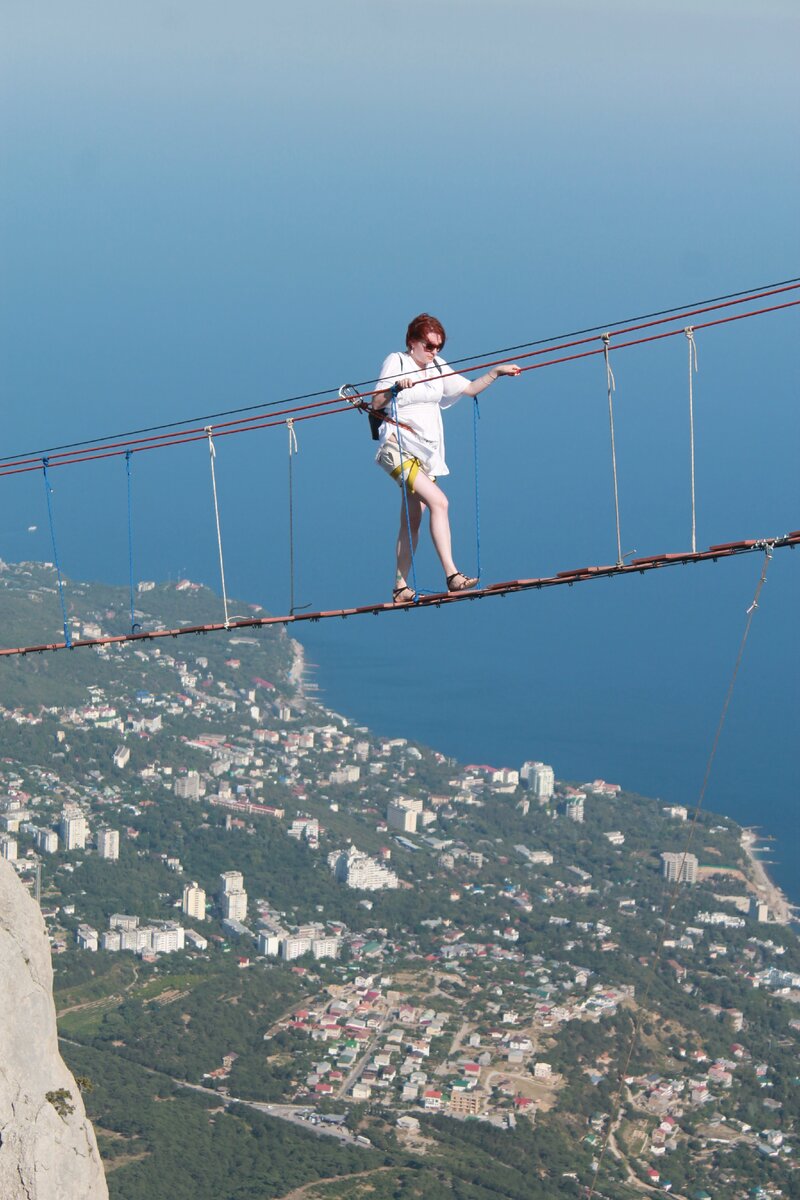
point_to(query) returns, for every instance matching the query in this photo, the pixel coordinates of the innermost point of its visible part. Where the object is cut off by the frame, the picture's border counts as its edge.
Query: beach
(781, 911)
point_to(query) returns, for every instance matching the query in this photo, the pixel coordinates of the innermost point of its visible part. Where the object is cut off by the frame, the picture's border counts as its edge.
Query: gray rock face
(48, 1149)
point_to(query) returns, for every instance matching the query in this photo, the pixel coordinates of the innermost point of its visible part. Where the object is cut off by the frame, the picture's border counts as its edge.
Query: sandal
(403, 595)
(467, 582)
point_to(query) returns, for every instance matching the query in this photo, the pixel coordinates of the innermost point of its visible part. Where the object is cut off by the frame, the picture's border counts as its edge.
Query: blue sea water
(631, 694)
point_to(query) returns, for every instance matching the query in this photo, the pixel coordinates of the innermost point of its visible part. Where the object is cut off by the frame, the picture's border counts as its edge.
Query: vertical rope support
(404, 486)
(476, 414)
(689, 331)
(130, 538)
(293, 448)
(48, 492)
(611, 386)
(212, 454)
(642, 1000)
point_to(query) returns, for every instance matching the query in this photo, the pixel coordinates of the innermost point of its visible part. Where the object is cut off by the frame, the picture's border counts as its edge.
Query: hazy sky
(207, 206)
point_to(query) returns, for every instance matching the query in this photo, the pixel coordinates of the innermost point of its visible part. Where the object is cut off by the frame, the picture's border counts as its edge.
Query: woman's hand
(508, 369)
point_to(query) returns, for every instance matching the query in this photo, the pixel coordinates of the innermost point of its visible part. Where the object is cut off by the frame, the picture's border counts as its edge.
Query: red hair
(421, 329)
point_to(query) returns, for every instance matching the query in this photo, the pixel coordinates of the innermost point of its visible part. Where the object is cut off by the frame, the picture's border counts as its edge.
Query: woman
(412, 445)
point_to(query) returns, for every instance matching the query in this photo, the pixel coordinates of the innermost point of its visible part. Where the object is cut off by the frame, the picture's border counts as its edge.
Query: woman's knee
(438, 503)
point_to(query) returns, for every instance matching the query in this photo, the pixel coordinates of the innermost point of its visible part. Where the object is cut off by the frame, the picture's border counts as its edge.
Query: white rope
(212, 453)
(611, 385)
(293, 449)
(689, 331)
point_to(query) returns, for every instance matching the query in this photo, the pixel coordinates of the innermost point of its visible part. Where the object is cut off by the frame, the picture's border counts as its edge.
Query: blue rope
(476, 412)
(47, 492)
(134, 625)
(395, 390)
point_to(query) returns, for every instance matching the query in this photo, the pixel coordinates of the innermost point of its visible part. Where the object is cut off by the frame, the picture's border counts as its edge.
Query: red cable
(245, 424)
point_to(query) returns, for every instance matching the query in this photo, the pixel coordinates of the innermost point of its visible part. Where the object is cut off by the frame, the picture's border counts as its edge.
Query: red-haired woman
(412, 448)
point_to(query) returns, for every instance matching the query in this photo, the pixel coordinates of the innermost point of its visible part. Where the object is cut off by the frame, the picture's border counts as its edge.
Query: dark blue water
(627, 687)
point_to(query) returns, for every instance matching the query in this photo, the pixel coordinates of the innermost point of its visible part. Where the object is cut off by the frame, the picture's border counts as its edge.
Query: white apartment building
(269, 943)
(574, 809)
(677, 811)
(679, 868)
(358, 870)
(188, 786)
(234, 905)
(231, 881)
(8, 846)
(46, 841)
(400, 816)
(295, 947)
(540, 780)
(122, 921)
(86, 937)
(72, 828)
(108, 843)
(325, 947)
(194, 901)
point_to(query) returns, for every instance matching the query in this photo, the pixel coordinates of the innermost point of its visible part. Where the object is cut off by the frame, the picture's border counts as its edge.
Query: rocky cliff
(48, 1149)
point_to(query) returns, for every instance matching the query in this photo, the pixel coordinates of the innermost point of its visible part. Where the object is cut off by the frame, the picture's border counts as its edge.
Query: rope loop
(476, 415)
(611, 387)
(689, 331)
(212, 454)
(293, 449)
(48, 493)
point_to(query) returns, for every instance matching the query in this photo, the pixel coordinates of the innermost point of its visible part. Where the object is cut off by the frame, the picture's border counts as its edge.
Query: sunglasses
(431, 347)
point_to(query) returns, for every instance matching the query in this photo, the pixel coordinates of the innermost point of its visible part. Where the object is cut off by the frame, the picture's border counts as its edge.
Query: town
(471, 941)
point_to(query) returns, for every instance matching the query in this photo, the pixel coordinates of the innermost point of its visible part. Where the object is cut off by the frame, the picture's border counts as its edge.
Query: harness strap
(413, 465)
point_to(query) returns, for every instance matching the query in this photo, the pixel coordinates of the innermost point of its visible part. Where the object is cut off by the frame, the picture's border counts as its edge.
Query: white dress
(420, 408)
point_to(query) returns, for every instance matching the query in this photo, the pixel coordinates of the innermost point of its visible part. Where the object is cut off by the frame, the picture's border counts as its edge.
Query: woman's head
(426, 330)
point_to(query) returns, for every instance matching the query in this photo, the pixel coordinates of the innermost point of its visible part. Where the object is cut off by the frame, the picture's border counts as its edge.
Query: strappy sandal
(468, 582)
(403, 595)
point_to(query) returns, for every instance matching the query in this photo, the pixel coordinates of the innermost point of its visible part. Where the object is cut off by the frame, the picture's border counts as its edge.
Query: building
(45, 841)
(188, 786)
(194, 901)
(540, 780)
(108, 843)
(231, 881)
(269, 943)
(358, 870)
(464, 1103)
(234, 905)
(400, 816)
(86, 937)
(325, 947)
(122, 757)
(122, 921)
(574, 809)
(679, 868)
(72, 829)
(295, 947)
(232, 896)
(8, 846)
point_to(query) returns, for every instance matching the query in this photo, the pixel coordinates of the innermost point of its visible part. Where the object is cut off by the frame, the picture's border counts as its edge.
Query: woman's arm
(476, 386)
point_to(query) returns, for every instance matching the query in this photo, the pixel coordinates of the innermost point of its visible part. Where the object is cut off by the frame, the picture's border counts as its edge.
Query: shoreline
(782, 912)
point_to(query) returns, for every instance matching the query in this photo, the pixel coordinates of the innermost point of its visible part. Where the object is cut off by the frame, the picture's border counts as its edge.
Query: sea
(592, 697)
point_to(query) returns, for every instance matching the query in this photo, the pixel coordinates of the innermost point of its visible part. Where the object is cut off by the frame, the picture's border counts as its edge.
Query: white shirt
(420, 408)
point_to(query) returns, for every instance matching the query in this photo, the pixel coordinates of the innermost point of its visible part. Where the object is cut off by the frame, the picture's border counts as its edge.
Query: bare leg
(428, 495)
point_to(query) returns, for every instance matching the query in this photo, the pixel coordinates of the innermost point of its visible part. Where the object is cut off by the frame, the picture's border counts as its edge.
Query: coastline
(781, 911)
